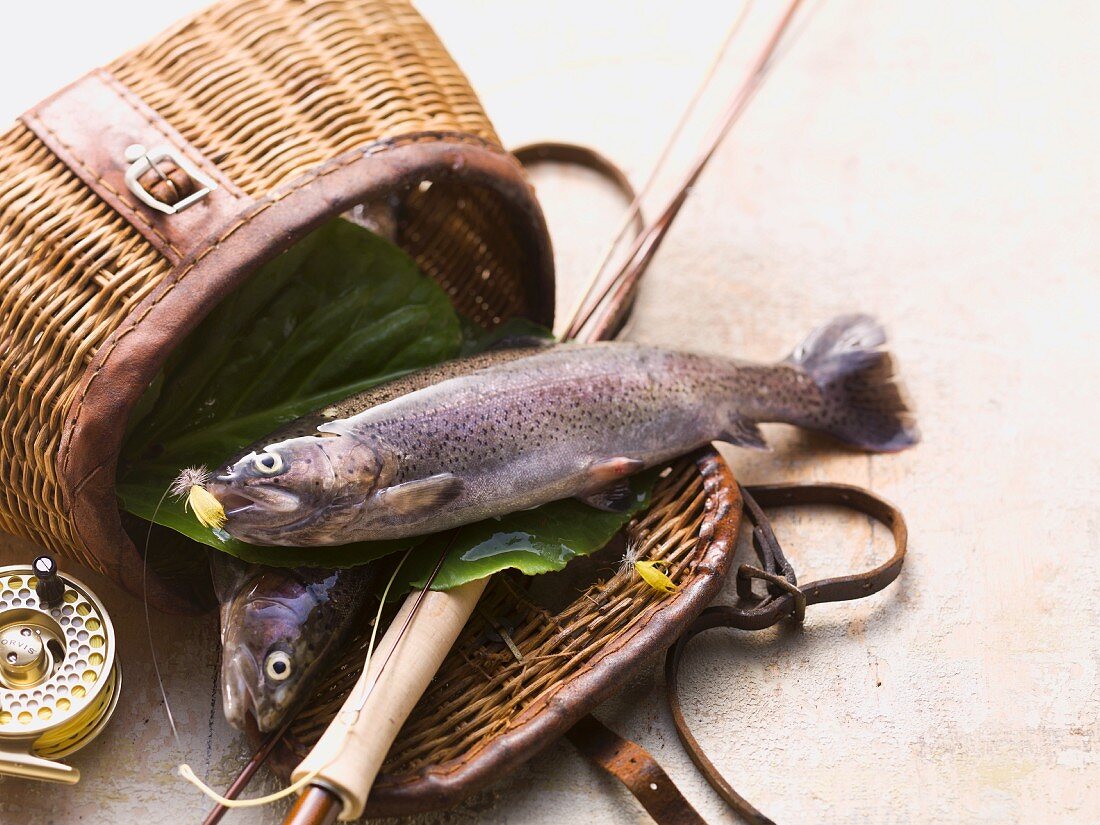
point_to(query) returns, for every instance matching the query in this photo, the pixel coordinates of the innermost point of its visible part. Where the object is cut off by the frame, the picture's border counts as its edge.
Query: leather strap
(575, 154)
(784, 598)
(632, 765)
(90, 125)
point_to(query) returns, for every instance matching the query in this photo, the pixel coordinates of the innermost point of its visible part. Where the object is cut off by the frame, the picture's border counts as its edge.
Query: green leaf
(339, 313)
(535, 541)
(342, 311)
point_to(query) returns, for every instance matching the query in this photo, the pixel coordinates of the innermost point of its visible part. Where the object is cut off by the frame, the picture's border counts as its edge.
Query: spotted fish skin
(480, 438)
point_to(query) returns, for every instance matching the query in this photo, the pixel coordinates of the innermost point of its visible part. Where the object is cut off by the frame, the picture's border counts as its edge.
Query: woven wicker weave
(282, 95)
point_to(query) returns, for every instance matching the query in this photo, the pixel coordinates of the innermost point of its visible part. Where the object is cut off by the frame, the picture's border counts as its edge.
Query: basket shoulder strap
(783, 597)
(576, 154)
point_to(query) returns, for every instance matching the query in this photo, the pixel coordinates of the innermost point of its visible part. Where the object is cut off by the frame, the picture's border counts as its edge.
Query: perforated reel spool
(59, 681)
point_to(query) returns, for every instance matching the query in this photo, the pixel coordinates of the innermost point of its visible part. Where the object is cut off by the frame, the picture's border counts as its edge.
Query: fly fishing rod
(622, 287)
(340, 770)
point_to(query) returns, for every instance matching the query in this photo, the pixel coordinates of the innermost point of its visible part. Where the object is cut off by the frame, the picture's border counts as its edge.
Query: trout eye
(268, 464)
(277, 665)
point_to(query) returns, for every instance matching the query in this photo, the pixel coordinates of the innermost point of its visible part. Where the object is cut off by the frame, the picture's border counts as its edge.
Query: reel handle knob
(50, 587)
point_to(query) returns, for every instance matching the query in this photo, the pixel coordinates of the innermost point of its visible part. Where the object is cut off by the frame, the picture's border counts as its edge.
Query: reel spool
(59, 681)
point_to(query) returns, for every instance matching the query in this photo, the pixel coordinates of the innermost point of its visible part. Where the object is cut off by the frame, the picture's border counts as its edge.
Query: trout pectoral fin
(607, 485)
(616, 497)
(606, 470)
(422, 495)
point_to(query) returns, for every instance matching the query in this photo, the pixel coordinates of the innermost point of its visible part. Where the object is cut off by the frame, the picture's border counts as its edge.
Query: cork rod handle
(350, 754)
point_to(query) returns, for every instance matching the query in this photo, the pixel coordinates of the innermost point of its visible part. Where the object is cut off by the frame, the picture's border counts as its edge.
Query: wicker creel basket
(541, 652)
(270, 116)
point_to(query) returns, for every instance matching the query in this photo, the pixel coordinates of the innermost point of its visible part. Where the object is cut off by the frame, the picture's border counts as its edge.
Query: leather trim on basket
(89, 125)
(130, 358)
(539, 725)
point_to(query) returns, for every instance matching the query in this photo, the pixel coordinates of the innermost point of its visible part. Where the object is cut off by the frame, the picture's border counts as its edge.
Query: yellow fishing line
(374, 630)
(60, 741)
(188, 774)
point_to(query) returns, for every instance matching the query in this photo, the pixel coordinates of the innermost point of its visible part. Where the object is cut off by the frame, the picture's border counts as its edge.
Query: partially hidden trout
(280, 627)
(512, 429)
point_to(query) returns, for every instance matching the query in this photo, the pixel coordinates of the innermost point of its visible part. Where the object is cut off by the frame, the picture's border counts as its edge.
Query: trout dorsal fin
(338, 426)
(421, 496)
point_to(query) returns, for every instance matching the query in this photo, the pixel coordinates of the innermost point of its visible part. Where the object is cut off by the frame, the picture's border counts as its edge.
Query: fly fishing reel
(59, 681)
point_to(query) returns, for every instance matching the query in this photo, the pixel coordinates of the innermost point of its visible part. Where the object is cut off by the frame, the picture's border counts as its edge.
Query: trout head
(302, 491)
(277, 629)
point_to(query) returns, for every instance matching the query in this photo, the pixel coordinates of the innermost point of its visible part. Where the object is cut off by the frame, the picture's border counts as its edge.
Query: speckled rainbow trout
(280, 627)
(513, 429)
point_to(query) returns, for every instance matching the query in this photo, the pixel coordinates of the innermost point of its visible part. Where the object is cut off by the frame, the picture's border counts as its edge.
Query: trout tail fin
(863, 403)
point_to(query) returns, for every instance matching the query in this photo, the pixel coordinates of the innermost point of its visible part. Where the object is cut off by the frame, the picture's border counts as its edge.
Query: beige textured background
(933, 163)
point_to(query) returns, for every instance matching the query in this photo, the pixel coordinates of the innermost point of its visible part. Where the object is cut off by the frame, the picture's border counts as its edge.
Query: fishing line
(185, 771)
(635, 206)
(185, 484)
(381, 607)
(369, 686)
(645, 245)
(249, 770)
(148, 620)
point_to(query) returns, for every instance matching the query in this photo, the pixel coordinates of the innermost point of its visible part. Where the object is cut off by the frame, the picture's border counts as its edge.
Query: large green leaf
(340, 312)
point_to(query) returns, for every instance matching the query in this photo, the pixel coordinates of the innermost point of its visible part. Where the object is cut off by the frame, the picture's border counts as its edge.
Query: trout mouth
(254, 499)
(244, 693)
(266, 515)
(233, 503)
(239, 675)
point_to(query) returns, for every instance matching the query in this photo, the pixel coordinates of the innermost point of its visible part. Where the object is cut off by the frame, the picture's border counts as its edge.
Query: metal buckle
(747, 572)
(142, 160)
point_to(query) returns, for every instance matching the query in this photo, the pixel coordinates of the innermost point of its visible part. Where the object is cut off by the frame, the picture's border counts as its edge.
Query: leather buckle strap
(747, 572)
(784, 598)
(633, 765)
(100, 129)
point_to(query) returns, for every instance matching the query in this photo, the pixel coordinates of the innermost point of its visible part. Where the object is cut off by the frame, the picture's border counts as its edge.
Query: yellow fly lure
(651, 572)
(207, 509)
